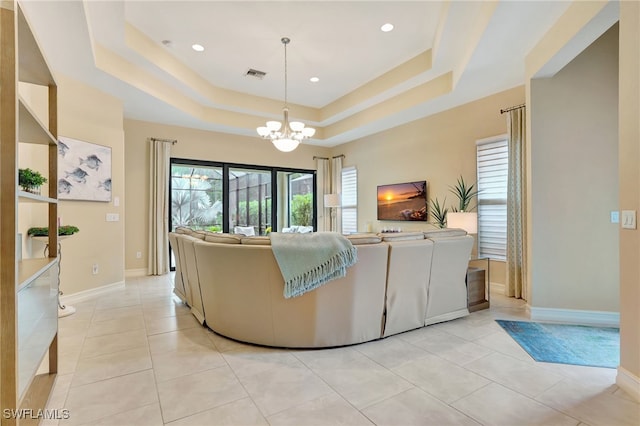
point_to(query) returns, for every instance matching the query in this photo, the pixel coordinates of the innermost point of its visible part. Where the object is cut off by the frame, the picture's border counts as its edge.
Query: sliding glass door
(296, 199)
(250, 195)
(196, 197)
(238, 198)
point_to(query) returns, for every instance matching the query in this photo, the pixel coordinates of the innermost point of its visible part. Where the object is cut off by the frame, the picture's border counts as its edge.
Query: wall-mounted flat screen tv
(403, 201)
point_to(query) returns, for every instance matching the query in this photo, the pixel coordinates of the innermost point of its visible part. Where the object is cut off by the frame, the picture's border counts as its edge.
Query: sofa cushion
(200, 234)
(183, 230)
(402, 236)
(213, 237)
(258, 240)
(445, 232)
(359, 239)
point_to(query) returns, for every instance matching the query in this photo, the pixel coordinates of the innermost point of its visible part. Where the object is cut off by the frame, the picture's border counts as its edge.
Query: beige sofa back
(178, 281)
(447, 298)
(242, 295)
(408, 275)
(191, 276)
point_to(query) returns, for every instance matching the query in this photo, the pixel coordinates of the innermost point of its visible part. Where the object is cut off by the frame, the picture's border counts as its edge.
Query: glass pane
(196, 198)
(295, 199)
(250, 201)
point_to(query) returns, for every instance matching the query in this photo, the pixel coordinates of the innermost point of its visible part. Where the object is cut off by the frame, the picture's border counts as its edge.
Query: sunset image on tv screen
(403, 201)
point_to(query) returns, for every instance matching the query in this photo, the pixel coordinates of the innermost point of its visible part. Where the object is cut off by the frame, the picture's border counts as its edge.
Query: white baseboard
(575, 316)
(628, 383)
(81, 296)
(142, 272)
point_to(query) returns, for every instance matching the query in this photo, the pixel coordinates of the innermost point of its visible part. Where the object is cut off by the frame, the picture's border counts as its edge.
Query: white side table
(63, 311)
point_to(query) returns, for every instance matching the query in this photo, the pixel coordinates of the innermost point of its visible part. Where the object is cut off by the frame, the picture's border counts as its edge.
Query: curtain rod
(502, 111)
(171, 141)
(326, 158)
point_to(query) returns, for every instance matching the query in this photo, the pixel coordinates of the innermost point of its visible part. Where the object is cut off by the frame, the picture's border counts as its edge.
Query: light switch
(615, 217)
(113, 217)
(629, 219)
(116, 201)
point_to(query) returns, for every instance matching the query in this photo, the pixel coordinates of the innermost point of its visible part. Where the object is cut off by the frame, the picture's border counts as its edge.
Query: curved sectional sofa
(400, 282)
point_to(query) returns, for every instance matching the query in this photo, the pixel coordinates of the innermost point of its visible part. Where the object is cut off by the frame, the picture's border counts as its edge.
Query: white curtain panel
(159, 208)
(336, 188)
(323, 169)
(283, 201)
(516, 268)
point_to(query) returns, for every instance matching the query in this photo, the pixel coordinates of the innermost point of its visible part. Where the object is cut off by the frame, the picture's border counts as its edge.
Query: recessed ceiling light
(386, 27)
(314, 79)
(197, 47)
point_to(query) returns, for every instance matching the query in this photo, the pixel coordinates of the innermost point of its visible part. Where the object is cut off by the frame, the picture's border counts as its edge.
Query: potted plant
(44, 231)
(30, 180)
(439, 212)
(465, 194)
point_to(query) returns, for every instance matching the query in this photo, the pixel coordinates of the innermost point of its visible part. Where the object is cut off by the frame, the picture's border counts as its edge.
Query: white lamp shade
(463, 220)
(296, 126)
(263, 131)
(308, 131)
(274, 125)
(286, 145)
(332, 200)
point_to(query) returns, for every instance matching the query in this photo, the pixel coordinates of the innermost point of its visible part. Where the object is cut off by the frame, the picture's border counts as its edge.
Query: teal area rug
(567, 344)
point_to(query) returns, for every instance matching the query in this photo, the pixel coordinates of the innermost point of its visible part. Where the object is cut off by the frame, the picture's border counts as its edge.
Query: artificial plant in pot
(44, 231)
(30, 180)
(439, 212)
(465, 194)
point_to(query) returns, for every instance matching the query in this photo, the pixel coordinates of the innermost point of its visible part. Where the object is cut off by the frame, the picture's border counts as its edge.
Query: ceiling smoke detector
(255, 73)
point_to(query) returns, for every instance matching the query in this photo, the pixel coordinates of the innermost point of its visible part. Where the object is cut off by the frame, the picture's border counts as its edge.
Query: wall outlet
(94, 269)
(113, 217)
(138, 255)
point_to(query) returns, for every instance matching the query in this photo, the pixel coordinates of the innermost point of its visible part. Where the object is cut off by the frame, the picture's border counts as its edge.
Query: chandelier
(285, 136)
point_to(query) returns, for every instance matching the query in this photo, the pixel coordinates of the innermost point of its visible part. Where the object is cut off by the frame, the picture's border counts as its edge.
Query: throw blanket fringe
(308, 261)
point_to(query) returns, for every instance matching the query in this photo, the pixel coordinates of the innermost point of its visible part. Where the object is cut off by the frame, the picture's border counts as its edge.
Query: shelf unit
(28, 288)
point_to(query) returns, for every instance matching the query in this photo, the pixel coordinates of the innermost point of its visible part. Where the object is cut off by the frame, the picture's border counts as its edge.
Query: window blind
(349, 200)
(492, 165)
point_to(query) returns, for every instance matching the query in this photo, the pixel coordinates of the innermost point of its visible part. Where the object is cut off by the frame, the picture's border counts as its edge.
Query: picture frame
(403, 201)
(84, 170)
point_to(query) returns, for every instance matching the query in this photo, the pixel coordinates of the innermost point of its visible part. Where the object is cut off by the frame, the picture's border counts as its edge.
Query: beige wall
(574, 172)
(196, 145)
(90, 115)
(629, 174)
(86, 114)
(437, 149)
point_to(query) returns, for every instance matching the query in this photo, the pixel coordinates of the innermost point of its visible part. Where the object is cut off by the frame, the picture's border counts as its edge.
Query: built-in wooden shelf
(38, 395)
(30, 269)
(32, 66)
(31, 129)
(35, 198)
(29, 287)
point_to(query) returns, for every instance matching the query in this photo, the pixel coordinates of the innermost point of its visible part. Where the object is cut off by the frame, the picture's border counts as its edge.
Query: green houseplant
(44, 232)
(465, 194)
(439, 212)
(30, 180)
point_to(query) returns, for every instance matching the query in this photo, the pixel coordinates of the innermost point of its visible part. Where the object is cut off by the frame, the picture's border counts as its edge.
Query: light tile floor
(138, 357)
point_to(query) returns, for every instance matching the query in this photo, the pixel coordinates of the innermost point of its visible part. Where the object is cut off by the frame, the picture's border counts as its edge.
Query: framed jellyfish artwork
(84, 171)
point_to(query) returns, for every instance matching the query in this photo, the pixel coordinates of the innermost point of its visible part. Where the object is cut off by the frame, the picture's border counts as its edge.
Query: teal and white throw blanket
(308, 261)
